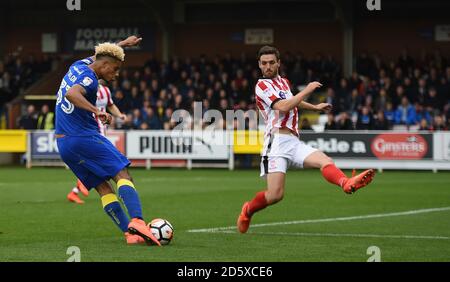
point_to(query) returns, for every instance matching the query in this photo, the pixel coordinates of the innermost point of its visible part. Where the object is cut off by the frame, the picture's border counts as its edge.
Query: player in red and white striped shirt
(282, 147)
(104, 102)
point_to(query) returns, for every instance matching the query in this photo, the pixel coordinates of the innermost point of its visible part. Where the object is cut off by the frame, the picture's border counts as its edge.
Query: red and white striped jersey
(268, 92)
(104, 100)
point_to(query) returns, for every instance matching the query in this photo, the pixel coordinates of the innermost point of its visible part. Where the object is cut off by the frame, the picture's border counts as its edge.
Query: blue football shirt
(71, 120)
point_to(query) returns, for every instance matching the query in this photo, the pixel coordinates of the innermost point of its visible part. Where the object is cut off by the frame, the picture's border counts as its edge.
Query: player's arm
(322, 107)
(287, 105)
(130, 41)
(76, 94)
(114, 110)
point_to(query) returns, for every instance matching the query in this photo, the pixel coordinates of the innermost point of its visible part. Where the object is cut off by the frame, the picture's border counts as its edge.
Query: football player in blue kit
(90, 156)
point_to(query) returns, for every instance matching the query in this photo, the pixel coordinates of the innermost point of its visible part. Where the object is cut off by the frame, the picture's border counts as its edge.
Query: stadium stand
(19, 73)
(410, 93)
(379, 95)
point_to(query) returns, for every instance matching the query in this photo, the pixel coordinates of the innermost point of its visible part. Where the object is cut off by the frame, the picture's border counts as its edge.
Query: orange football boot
(82, 188)
(359, 181)
(73, 197)
(133, 239)
(243, 221)
(138, 227)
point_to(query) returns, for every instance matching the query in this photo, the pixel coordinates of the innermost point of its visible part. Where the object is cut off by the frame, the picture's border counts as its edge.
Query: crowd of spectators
(414, 92)
(379, 95)
(150, 95)
(409, 93)
(18, 72)
(32, 119)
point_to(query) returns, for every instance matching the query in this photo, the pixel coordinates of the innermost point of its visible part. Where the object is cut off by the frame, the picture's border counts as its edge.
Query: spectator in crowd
(136, 100)
(380, 122)
(431, 100)
(424, 125)
(331, 124)
(365, 119)
(389, 113)
(144, 126)
(5, 85)
(128, 123)
(152, 120)
(421, 113)
(29, 120)
(167, 121)
(354, 102)
(421, 91)
(405, 113)
(399, 94)
(305, 125)
(137, 118)
(331, 99)
(344, 122)
(121, 101)
(439, 124)
(45, 119)
(382, 100)
(343, 95)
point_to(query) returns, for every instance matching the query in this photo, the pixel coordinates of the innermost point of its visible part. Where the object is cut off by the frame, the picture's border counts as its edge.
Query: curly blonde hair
(111, 50)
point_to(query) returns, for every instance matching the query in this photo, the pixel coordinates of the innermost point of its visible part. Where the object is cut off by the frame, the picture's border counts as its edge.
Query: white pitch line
(356, 235)
(411, 212)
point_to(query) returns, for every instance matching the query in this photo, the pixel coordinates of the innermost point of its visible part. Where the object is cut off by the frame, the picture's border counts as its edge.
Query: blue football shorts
(93, 159)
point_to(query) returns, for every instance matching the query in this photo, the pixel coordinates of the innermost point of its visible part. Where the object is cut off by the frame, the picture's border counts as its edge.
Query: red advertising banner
(399, 146)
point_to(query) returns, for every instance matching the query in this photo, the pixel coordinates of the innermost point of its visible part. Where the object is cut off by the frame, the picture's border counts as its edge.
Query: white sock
(76, 190)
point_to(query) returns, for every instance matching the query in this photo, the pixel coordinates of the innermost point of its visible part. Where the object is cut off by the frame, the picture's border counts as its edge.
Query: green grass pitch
(38, 224)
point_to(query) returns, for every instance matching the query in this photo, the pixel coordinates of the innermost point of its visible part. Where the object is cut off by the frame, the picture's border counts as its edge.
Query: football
(162, 230)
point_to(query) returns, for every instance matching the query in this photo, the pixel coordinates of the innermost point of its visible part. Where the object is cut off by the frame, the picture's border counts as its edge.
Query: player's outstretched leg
(334, 175)
(349, 185)
(114, 210)
(130, 199)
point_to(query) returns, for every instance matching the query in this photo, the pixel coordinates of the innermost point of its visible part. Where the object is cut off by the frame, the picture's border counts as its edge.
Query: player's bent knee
(321, 160)
(104, 189)
(123, 174)
(325, 158)
(327, 161)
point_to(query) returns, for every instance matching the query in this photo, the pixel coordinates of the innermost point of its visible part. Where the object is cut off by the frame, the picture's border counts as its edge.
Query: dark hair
(268, 50)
